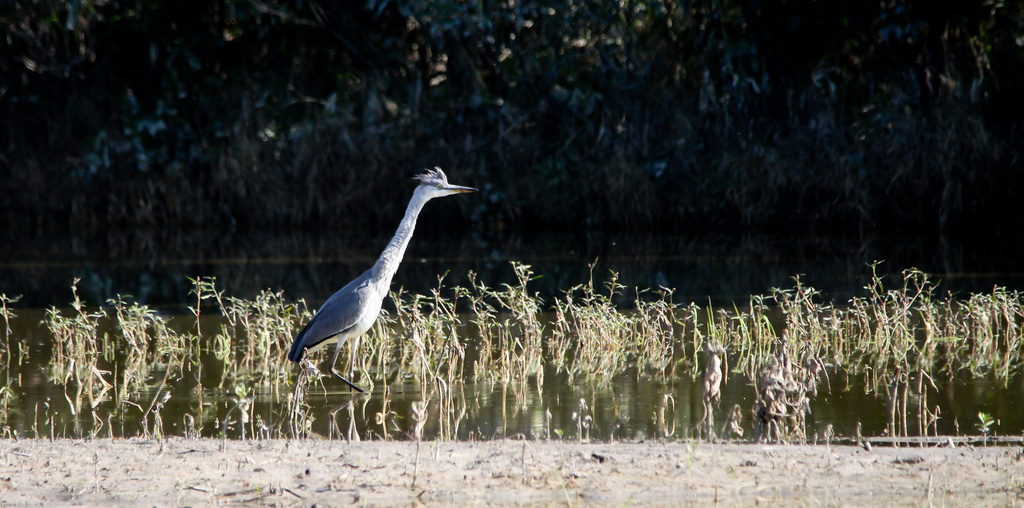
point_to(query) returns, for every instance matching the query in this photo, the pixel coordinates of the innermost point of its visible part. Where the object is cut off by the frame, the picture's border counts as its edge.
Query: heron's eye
(438, 186)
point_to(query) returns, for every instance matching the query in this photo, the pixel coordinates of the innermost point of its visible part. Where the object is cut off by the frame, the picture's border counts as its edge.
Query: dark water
(155, 268)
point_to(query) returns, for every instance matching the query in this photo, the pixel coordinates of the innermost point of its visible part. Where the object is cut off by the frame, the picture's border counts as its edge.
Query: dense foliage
(652, 113)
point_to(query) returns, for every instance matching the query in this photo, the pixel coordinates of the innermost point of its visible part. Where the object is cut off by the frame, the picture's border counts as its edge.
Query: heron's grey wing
(340, 312)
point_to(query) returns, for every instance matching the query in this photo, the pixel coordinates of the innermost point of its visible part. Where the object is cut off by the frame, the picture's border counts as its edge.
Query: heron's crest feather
(432, 177)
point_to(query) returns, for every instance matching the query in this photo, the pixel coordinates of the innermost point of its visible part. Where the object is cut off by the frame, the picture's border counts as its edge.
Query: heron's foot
(349, 383)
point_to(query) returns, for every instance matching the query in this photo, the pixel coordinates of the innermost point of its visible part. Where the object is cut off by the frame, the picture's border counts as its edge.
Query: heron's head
(435, 184)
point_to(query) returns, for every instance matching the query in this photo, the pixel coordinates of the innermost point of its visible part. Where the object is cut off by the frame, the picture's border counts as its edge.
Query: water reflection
(154, 266)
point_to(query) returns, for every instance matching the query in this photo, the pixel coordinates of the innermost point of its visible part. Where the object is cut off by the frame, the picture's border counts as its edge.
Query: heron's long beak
(459, 189)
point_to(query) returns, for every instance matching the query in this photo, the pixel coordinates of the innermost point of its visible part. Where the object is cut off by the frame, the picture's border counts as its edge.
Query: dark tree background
(648, 114)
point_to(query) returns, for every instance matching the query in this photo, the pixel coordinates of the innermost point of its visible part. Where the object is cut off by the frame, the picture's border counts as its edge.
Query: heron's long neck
(387, 265)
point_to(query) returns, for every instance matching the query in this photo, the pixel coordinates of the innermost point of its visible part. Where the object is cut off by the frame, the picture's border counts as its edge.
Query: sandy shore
(177, 471)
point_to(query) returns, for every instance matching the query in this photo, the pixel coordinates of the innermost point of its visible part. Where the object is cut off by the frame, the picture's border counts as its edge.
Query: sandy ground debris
(130, 472)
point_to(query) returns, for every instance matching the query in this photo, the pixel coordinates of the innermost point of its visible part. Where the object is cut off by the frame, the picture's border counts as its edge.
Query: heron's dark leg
(337, 349)
(349, 383)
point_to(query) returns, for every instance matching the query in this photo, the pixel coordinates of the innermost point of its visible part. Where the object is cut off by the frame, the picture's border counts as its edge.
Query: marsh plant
(253, 340)
(592, 338)
(78, 346)
(508, 321)
(477, 353)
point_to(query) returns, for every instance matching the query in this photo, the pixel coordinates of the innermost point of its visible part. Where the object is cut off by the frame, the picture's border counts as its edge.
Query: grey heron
(351, 311)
